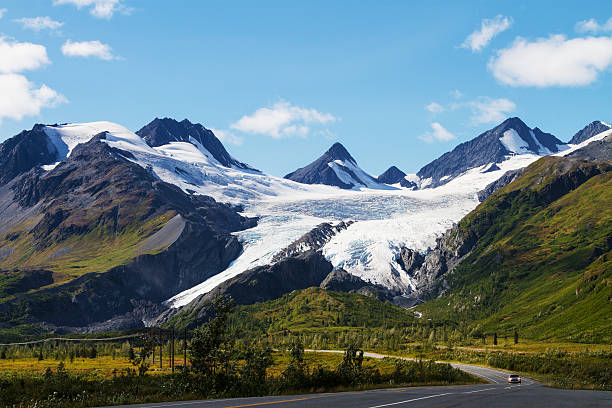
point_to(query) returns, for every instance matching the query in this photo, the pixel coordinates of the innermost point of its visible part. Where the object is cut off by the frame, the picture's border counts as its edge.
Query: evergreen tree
(207, 350)
(515, 337)
(495, 339)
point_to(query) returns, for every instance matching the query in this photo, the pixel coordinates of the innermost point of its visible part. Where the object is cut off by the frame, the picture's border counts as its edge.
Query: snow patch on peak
(513, 142)
(541, 149)
(350, 173)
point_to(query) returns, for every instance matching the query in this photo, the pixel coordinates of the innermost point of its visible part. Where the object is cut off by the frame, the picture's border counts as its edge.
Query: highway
(498, 393)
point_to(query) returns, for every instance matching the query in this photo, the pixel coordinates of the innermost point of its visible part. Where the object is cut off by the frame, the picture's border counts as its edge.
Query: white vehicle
(514, 379)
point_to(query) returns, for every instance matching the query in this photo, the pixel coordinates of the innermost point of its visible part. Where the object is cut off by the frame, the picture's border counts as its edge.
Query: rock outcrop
(501, 182)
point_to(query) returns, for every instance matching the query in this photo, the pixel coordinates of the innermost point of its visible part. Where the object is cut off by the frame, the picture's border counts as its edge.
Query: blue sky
(397, 82)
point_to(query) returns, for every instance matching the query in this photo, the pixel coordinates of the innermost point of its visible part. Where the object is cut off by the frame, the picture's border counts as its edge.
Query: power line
(68, 339)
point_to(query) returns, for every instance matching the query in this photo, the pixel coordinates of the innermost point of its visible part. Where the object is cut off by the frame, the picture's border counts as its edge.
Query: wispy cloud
(592, 26)
(97, 8)
(227, 136)
(2, 12)
(457, 94)
(489, 28)
(282, 120)
(437, 133)
(18, 96)
(435, 107)
(39, 23)
(489, 110)
(553, 61)
(86, 49)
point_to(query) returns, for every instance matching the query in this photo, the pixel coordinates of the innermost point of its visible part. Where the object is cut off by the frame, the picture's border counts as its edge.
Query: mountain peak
(160, 132)
(336, 167)
(392, 175)
(590, 130)
(338, 152)
(512, 137)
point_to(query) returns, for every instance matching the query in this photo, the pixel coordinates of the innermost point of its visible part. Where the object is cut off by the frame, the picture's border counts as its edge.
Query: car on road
(514, 379)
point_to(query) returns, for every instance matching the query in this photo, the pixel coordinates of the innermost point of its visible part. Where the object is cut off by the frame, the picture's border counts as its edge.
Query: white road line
(411, 400)
(479, 374)
(486, 389)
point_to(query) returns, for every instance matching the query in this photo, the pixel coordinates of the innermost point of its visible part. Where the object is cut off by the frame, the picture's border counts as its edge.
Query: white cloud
(39, 23)
(489, 28)
(457, 94)
(282, 120)
(86, 49)
(2, 12)
(437, 133)
(228, 137)
(21, 56)
(592, 26)
(97, 8)
(489, 110)
(20, 97)
(435, 107)
(553, 61)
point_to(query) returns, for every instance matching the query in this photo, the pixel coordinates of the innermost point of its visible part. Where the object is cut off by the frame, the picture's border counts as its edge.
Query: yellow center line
(292, 400)
(271, 402)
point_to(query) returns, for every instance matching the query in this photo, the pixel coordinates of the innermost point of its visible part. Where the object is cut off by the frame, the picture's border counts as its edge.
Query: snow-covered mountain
(590, 130)
(387, 218)
(164, 131)
(336, 167)
(511, 138)
(186, 164)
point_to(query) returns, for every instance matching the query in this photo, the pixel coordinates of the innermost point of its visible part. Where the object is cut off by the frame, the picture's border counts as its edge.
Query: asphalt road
(498, 393)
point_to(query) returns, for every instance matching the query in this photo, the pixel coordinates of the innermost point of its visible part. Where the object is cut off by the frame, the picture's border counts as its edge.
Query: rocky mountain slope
(110, 240)
(589, 131)
(336, 167)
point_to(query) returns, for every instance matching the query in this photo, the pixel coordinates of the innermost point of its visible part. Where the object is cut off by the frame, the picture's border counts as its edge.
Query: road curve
(497, 394)
(489, 374)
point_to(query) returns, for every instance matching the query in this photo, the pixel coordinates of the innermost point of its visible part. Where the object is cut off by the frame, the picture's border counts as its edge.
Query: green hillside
(543, 261)
(316, 308)
(321, 319)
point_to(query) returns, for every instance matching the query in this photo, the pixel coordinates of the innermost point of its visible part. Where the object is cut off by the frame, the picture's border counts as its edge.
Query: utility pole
(160, 349)
(151, 338)
(172, 348)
